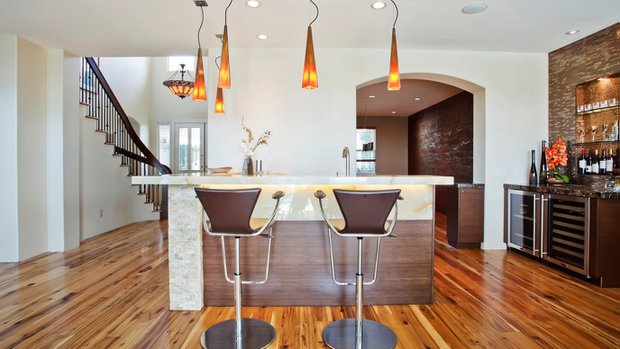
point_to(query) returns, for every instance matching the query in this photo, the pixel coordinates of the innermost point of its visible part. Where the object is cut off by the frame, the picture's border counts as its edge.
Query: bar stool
(229, 215)
(365, 216)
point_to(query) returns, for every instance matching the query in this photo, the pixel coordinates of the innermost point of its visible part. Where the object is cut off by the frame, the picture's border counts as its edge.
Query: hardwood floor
(112, 293)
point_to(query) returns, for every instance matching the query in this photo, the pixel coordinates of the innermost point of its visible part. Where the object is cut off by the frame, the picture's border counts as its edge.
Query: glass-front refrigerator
(523, 217)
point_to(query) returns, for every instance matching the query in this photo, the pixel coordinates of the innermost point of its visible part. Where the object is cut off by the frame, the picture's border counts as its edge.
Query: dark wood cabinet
(573, 226)
(465, 215)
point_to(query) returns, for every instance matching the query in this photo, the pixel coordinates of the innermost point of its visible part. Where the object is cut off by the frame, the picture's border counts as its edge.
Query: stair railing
(103, 106)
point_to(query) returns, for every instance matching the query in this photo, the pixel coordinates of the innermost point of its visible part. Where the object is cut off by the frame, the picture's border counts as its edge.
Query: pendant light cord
(395, 19)
(226, 12)
(317, 13)
(202, 21)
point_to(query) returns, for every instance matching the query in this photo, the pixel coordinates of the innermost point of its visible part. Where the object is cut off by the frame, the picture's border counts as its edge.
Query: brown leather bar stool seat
(365, 216)
(229, 214)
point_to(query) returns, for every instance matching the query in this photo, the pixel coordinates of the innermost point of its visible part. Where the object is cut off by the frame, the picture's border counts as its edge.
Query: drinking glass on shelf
(594, 128)
(582, 135)
(605, 128)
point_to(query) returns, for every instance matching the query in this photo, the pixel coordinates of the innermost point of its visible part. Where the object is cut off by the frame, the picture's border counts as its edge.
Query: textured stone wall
(441, 142)
(587, 59)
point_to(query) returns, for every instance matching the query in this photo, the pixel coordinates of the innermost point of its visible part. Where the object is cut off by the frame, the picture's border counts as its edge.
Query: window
(163, 144)
(366, 152)
(174, 61)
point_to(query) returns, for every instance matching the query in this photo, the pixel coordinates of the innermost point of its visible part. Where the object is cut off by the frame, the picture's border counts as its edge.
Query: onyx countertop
(587, 191)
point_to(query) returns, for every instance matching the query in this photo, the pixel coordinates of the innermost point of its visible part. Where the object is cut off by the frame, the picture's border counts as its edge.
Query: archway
(478, 93)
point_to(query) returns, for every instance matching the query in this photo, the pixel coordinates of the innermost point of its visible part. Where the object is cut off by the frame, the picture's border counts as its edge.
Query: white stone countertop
(200, 179)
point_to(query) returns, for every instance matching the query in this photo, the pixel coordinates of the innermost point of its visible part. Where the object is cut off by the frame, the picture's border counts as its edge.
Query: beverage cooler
(550, 226)
(523, 221)
(566, 239)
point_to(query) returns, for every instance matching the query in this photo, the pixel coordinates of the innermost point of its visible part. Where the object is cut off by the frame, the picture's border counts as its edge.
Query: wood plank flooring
(112, 293)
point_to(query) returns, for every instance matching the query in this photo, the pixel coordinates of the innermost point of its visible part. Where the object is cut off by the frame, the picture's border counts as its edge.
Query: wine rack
(567, 238)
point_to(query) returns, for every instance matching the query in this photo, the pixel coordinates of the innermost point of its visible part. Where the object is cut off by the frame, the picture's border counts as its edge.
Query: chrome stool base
(341, 335)
(255, 334)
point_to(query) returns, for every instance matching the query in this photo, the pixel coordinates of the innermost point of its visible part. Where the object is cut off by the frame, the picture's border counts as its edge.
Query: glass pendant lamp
(200, 90)
(309, 79)
(224, 78)
(394, 76)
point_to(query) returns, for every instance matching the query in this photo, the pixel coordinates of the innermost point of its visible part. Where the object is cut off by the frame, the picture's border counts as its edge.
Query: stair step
(92, 117)
(101, 131)
(109, 143)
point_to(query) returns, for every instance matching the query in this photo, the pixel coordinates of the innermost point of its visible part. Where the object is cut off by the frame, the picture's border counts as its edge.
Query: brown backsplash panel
(592, 57)
(441, 141)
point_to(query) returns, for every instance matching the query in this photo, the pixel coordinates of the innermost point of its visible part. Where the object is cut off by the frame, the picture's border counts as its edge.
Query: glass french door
(189, 147)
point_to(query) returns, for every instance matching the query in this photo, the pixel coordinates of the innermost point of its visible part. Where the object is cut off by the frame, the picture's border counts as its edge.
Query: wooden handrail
(151, 159)
(114, 122)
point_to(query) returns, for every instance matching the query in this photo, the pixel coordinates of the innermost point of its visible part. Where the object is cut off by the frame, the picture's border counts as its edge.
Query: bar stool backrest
(229, 210)
(365, 211)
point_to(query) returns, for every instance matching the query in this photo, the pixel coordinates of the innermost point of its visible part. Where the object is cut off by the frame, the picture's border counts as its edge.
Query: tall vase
(248, 167)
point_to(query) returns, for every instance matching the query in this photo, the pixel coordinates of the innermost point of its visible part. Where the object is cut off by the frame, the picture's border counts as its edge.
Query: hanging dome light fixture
(309, 79)
(181, 88)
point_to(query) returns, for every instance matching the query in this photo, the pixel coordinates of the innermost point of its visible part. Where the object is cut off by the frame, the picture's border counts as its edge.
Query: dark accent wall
(441, 142)
(587, 59)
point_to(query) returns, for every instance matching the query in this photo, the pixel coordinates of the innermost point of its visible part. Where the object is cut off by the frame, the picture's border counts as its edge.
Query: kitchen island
(300, 273)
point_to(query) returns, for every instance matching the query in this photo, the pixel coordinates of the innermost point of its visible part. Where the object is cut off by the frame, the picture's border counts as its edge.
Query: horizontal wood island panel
(300, 272)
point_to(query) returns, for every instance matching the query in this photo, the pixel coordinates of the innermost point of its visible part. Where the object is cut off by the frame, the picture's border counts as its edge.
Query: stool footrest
(341, 335)
(255, 334)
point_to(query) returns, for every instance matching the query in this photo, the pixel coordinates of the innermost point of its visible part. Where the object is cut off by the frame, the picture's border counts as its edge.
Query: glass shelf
(593, 143)
(598, 110)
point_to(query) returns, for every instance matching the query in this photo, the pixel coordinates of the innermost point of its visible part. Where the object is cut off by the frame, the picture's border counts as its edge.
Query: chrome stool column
(365, 216)
(229, 215)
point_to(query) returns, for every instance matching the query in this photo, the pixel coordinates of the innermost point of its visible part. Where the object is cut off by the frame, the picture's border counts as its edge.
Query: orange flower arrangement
(556, 157)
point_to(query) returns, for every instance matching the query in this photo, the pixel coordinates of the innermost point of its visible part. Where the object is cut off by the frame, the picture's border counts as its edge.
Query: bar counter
(300, 272)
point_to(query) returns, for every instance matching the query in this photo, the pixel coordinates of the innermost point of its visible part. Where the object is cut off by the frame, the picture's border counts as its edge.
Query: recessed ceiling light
(417, 99)
(572, 32)
(262, 36)
(371, 96)
(377, 5)
(393, 112)
(253, 3)
(474, 7)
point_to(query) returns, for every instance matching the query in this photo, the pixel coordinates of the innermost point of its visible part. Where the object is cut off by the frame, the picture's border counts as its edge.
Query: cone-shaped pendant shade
(219, 102)
(394, 77)
(200, 91)
(224, 80)
(309, 80)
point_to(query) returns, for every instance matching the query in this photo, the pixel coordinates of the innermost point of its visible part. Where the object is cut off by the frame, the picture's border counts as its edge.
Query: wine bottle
(617, 162)
(610, 161)
(589, 163)
(582, 162)
(533, 179)
(602, 163)
(595, 163)
(543, 165)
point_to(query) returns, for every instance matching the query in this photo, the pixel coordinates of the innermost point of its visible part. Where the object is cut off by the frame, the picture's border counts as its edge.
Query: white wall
(71, 154)
(130, 79)
(310, 128)
(107, 198)
(9, 233)
(31, 148)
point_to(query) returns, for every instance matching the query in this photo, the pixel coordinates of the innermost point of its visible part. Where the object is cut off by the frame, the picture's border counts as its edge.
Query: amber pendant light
(219, 102)
(224, 79)
(200, 90)
(219, 98)
(309, 79)
(394, 76)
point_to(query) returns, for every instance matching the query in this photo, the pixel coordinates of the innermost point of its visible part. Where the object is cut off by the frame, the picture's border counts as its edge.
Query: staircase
(95, 92)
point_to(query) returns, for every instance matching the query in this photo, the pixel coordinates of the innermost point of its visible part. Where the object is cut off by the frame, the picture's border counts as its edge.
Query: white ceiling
(403, 101)
(168, 27)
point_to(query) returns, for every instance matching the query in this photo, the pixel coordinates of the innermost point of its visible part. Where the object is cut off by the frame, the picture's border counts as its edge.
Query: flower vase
(248, 167)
